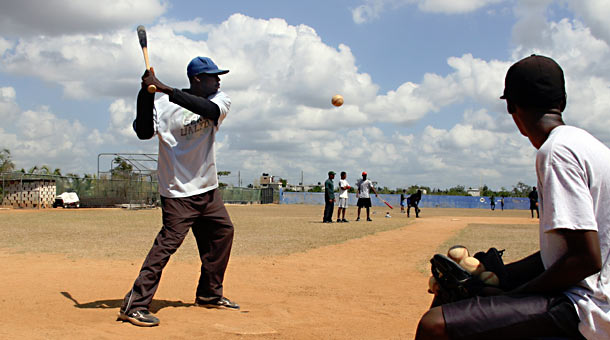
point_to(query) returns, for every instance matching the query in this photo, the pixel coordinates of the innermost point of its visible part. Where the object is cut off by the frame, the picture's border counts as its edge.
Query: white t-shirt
(187, 162)
(573, 170)
(364, 187)
(343, 192)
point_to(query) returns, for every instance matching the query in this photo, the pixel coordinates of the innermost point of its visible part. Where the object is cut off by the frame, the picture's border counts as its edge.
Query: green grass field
(260, 230)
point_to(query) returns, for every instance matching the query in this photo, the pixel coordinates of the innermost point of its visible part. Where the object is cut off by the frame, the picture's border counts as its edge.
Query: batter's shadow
(155, 306)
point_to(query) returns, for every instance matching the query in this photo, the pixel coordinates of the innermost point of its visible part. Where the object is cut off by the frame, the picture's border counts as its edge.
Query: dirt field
(366, 287)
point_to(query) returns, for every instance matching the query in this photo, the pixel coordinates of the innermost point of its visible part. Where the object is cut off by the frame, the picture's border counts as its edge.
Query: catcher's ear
(510, 107)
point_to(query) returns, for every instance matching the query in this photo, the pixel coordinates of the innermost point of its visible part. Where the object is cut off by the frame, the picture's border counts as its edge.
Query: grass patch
(260, 230)
(518, 240)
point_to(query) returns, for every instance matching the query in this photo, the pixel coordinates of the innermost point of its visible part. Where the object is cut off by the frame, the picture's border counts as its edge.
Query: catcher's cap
(201, 65)
(364, 173)
(536, 80)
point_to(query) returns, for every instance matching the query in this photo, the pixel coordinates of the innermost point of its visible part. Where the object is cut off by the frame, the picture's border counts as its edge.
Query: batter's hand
(149, 78)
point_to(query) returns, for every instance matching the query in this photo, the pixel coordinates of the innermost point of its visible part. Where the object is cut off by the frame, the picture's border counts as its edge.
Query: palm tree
(6, 164)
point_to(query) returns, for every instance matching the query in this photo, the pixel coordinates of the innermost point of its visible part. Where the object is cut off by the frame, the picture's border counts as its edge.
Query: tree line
(124, 170)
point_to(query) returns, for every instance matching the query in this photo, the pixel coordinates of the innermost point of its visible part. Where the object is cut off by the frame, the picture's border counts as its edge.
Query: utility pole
(239, 178)
(302, 183)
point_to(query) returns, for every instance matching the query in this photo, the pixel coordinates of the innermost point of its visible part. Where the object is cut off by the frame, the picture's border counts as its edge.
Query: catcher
(563, 290)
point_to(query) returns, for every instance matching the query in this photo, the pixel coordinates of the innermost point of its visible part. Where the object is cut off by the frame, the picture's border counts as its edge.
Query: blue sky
(421, 80)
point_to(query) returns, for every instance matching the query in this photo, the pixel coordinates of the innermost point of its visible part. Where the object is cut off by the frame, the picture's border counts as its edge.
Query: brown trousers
(207, 216)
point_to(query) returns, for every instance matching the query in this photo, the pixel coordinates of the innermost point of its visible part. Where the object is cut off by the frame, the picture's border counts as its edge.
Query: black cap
(536, 80)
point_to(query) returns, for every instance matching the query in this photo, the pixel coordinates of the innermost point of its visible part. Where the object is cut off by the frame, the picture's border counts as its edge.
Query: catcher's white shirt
(573, 170)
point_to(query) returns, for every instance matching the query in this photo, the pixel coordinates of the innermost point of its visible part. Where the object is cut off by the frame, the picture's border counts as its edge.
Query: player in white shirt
(343, 196)
(365, 186)
(185, 122)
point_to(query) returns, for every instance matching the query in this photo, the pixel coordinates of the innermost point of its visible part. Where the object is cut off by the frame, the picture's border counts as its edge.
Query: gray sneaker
(142, 318)
(216, 302)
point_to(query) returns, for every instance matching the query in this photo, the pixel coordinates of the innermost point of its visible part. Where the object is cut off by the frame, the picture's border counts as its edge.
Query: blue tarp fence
(427, 201)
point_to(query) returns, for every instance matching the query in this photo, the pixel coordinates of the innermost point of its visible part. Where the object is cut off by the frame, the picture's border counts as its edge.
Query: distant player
(329, 198)
(343, 196)
(413, 202)
(365, 186)
(533, 197)
(403, 201)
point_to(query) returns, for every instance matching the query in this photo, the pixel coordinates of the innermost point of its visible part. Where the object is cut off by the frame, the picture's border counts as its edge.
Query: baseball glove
(455, 282)
(492, 261)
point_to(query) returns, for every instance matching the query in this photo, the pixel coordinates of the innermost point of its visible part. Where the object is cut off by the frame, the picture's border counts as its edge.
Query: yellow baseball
(458, 253)
(489, 278)
(472, 265)
(337, 100)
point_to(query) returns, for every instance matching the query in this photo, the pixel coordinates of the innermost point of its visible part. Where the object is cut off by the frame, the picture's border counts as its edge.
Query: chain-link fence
(137, 191)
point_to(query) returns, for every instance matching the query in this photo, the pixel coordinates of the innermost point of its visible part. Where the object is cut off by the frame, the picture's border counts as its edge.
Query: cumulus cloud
(595, 14)
(43, 138)
(371, 10)
(56, 17)
(8, 105)
(453, 7)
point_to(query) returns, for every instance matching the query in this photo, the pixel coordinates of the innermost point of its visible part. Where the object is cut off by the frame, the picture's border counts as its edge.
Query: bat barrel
(142, 36)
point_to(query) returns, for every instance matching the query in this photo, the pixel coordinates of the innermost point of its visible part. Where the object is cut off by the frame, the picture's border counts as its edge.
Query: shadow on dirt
(155, 306)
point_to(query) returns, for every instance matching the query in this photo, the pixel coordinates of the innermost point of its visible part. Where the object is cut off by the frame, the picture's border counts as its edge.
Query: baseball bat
(143, 43)
(386, 203)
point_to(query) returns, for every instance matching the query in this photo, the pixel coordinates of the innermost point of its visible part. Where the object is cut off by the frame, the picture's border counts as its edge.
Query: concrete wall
(427, 201)
(30, 193)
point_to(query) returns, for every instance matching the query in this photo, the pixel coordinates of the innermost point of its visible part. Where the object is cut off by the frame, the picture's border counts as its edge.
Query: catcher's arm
(582, 259)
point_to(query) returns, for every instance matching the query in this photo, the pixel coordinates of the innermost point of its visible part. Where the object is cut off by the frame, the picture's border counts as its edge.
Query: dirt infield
(363, 288)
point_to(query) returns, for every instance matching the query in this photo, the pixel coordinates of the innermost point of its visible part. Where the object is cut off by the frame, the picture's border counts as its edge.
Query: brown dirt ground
(366, 288)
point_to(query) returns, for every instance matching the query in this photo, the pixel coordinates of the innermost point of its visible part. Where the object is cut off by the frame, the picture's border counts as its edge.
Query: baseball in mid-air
(337, 100)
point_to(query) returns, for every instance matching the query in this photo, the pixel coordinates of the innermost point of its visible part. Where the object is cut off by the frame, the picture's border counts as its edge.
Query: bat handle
(151, 88)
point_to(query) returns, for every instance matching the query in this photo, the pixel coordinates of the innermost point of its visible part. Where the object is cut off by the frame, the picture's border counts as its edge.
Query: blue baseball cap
(203, 65)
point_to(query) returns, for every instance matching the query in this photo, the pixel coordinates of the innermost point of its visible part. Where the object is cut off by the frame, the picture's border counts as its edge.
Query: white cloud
(56, 17)
(121, 118)
(454, 7)
(584, 59)
(595, 14)
(8, 105)
(4, 45)
(372, 10)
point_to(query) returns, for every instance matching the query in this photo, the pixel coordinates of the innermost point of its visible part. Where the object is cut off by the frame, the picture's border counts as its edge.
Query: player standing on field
(343, 196)
(533, 197)
(564, 289)
(186, 122)
(413, 202)
(364, 199)
(329, 198)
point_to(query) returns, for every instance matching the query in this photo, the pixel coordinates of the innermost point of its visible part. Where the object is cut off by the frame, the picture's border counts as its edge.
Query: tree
(122, 169)
(317, 188)
(222, 173)
(485, 191)
(521, 189)
(6, 164)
